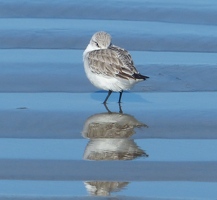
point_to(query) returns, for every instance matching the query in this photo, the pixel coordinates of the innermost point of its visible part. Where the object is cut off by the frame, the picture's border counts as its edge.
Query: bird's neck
(88, 49)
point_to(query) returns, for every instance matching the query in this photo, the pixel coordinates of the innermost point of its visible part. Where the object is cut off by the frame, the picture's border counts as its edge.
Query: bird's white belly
(106, 82)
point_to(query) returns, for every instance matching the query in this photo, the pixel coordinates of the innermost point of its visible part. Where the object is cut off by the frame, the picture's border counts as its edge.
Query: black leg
(120, 109)
(120, 97)
(109, 93)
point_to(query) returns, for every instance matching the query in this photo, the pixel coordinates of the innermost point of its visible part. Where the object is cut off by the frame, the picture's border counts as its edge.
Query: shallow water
(58, 141)
(157, 147)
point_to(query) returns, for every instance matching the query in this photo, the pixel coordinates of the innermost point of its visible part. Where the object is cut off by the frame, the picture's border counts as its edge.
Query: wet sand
(58, 141)
(52, 115)
(59, 138)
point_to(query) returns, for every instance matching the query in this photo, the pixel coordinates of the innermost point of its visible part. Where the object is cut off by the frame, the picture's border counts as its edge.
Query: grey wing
(113, 62)
(127, 65)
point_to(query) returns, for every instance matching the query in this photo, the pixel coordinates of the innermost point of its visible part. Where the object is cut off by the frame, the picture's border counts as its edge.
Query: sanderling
(109, 67)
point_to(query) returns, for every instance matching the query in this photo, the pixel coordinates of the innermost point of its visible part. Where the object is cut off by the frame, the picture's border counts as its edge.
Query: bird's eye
(97, 44)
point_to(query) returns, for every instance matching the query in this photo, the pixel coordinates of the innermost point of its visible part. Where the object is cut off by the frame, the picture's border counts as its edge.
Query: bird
(109, 67)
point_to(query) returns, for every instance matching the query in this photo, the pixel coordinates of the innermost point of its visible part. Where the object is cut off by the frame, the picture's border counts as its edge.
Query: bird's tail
(140, 76)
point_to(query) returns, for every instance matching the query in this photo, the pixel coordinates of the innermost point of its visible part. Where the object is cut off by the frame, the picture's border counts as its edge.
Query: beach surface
(57, 139)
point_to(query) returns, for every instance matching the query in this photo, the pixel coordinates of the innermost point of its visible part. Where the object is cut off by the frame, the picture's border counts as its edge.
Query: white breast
(104, 82)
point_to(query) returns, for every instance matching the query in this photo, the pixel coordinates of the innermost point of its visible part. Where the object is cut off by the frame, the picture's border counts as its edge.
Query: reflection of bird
(100, 188)
(109, 140)
(109, 133)
(113, 149)
(109, 67)
(110, 125)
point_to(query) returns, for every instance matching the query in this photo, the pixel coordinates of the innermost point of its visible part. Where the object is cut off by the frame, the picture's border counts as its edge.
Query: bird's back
(114, 62)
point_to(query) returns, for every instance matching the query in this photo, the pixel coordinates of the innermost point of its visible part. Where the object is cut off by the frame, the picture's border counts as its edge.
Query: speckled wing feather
(113, 62)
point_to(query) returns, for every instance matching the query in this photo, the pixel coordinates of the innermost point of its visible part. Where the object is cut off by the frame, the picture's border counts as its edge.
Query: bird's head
(100, 40)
